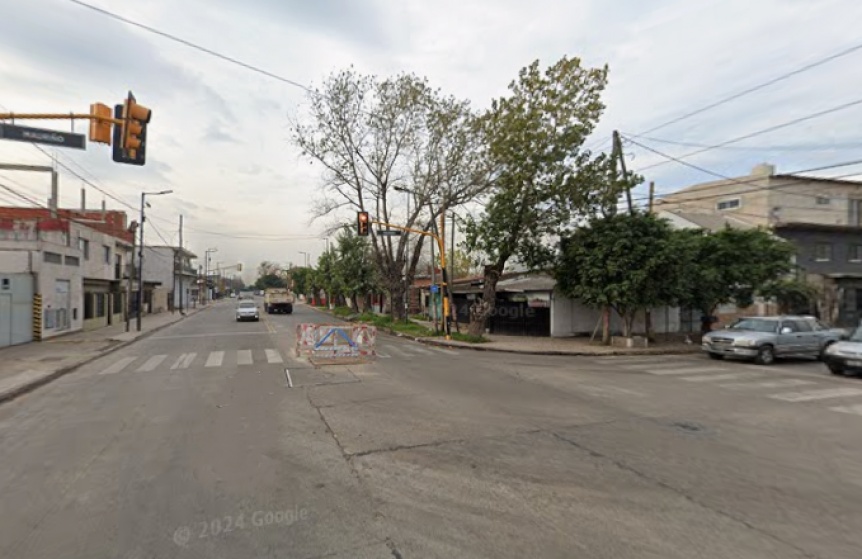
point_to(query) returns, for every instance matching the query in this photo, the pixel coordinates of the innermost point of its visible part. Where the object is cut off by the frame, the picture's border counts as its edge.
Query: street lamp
(307, 255)
(207, 261)
(144, 204)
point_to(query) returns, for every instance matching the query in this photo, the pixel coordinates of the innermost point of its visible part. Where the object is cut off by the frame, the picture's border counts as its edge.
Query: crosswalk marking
(272, 356)
(421, 350)
(152, 363)
(243, 357)
(857, 409)
(686, 371)
(118, 366)
(728, 376)
(781, 383)
(215, 359)
(381, 354)
(817, 394)
(184, 361)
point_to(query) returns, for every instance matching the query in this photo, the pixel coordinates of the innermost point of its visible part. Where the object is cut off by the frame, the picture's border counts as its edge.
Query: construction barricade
(336, 343)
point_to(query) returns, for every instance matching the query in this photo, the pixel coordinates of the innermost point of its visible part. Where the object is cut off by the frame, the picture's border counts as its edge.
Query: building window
(823, 201)
(84, 247)
(72, 261)
(52, 258)
(823, 252)
(855, 254)
(106, 251)
(101, 299)
(729, 204)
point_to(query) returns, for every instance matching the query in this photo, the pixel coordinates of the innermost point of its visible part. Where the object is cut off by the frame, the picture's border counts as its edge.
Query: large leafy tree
(730, 266)
(384, 142)
(353, 267)
(628, 262)
(270, 280)
(534, 137)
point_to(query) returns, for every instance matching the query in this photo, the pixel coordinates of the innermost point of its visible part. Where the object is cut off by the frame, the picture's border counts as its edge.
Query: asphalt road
(190, 443)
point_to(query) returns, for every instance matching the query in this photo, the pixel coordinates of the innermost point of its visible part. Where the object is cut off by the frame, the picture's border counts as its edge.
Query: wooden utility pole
(181, 265)
(618, 152)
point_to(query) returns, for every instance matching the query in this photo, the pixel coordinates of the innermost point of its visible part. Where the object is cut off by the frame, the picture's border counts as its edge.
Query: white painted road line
(215, 358)
(379, 353)
(781, 383)
(273, 356)
(152, 363)
(686, 371)
(817, 394)
(184, 361)
(857, 409)
(243, 357)
(421, 350)
(118, 366)
(728, 376)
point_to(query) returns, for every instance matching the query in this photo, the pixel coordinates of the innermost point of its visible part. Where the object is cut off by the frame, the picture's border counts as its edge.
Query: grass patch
(342, 311)
(385, 321)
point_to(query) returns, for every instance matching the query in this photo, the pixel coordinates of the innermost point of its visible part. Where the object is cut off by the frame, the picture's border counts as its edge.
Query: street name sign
(388, 233)
(41, 136)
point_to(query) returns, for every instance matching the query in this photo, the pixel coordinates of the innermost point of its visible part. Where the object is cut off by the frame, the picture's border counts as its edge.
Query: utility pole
(131, 275)
(651, 195)
(140, 299)
(618, 151)
(182, 265)
(452, 276)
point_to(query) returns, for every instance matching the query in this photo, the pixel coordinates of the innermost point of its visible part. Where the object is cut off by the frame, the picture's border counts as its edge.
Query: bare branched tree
(378, 139)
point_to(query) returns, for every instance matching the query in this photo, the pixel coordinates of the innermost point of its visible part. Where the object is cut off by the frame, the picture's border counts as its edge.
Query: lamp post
(305, 255)
(141, 252)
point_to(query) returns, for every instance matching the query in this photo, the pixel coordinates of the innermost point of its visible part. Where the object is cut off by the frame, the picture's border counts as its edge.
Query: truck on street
(278, 300)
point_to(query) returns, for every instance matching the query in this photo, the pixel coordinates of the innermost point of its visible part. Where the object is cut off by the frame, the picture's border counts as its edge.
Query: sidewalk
(562, 346)
(28, 366)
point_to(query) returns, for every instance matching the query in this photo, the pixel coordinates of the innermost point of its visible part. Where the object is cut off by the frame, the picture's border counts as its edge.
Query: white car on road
(247, 310)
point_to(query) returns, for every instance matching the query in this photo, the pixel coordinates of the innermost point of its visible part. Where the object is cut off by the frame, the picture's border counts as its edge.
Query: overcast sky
(220, 133)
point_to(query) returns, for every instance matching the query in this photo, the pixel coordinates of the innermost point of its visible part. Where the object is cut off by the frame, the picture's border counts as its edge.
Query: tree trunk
(606, 325)
(480, 311)
(648, 324)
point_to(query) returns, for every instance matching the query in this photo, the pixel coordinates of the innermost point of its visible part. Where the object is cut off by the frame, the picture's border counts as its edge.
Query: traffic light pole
(442, 246)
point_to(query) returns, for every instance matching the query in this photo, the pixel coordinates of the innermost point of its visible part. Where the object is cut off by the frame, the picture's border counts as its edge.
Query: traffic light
(362, 223)
(130, 137)
(100, 126)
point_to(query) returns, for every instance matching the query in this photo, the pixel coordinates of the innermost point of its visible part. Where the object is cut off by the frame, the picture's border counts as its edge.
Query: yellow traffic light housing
(362, 224)
(100, 123)
(130, 138)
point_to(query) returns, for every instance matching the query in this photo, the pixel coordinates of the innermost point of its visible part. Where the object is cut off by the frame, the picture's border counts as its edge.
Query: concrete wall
(570, 317)
(843, 259)
(801, 201)
(705, 198)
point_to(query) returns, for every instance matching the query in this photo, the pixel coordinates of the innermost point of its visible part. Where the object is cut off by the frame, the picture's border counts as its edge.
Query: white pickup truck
(278, 300)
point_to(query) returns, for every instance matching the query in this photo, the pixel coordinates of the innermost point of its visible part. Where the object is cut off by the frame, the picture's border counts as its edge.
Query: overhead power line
(195, 46)
(758, 87)
(797, 147)
(762, 131)
(744, 182)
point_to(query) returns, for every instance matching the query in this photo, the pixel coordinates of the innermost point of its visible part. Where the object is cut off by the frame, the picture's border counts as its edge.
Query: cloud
(216, 133)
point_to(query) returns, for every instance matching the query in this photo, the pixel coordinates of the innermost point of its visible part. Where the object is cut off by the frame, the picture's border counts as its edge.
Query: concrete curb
(27, 387)
(482, 347)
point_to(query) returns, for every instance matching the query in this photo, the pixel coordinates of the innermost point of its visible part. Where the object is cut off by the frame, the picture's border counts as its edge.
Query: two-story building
(821, 217)
(171, 270)
(61, 271)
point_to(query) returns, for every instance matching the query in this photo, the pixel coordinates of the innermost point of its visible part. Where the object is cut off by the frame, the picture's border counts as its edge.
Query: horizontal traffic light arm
(409, 230)
(58, 116)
